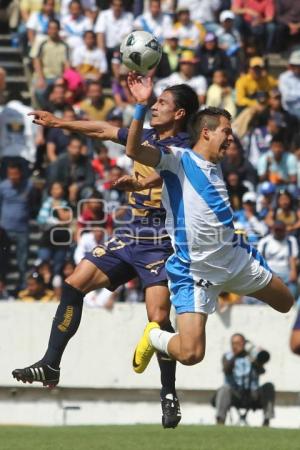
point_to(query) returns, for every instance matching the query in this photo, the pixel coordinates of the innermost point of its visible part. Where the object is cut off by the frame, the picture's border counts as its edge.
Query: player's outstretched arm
(141, 88)
(131, 184)
(91, 128)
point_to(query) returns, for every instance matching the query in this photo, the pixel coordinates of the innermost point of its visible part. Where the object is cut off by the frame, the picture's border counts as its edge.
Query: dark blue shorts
(123, 259)
(297, 323)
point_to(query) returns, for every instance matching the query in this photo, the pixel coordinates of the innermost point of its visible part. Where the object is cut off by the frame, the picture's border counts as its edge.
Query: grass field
(149, 437)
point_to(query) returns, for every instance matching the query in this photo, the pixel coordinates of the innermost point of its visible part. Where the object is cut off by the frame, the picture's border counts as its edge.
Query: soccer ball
(140, 51)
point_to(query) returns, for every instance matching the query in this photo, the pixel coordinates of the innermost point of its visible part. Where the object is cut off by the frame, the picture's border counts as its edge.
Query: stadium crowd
(65, 182)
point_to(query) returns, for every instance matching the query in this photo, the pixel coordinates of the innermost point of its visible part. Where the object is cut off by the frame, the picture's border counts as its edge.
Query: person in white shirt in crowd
(220, 93)
(37, 25)
(281, 252)
(204, 11)
(111, 27)
(229, 38)
(88, 59)
(88, 240)
(154, 21)
(17, 136)
(186, 75)
(74, 25)
(89, 8)
(289, 85)
(190, 33)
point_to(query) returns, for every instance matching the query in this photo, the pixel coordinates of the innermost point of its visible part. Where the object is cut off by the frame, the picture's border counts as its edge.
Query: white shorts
(191, 293)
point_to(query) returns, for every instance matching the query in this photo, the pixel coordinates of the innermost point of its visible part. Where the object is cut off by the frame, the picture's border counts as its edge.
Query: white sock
(160, 339)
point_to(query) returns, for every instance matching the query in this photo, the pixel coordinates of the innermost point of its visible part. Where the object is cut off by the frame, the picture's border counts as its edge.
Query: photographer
(242, 367)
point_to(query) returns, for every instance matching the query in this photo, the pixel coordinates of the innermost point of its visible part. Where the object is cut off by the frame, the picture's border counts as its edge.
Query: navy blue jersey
(146, 215)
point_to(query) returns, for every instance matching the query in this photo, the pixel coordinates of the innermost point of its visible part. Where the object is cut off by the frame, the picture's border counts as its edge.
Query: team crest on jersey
(99, 251)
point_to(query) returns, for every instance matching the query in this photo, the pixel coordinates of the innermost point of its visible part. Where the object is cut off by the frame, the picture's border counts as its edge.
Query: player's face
(163, 110)
(220, 140)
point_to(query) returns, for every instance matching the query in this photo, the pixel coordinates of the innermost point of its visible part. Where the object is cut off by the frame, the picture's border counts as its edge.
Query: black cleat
(171, 414)
(39, 372)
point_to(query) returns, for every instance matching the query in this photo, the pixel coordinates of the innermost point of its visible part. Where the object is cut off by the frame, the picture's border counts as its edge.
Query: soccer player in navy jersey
(140, 247)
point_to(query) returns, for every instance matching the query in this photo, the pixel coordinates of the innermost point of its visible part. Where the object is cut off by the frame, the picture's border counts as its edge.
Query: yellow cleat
(144, 350)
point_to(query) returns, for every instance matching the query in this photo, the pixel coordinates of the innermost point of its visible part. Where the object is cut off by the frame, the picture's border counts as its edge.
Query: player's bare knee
(190, 358)
(158, 315)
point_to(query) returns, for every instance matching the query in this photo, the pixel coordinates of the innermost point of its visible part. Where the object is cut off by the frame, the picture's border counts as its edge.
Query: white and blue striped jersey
(199, 217)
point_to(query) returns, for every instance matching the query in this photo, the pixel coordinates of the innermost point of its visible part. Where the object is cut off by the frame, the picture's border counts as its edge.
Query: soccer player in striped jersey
(138, 248)
(208, 257)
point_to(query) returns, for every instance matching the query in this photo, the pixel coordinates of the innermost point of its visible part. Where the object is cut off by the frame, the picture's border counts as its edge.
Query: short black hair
(279, 138)
(206, 118)
(75, 137)
(184, 97)
(54, 21)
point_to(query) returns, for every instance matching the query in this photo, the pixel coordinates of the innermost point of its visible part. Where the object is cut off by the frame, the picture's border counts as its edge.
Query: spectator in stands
(4, 294)
(282, 254)
(36, 290)
(186, 75)
(213, 58)
(89, 8)
(17, 137)
(113, 197)
(91, 211)
(122, 95)
(258, 139)
(276, 111)
(54, 216)
(74, 25)
(229, 38)
(249, 85)
(169, 62)
(235, 161)
(266, 201)
(286, 211)
(2, 85)
(88, 59)
(296, 147)
(4, 253)
(116, 150)
(236, 190)
(112, 26)
(16, 202)
(190, 33)
(58, 139)
(242, 368)
(295, 336)
(51, 61)
(203, 11)
(91, 239)
(95, 106)
(256, 17)
(288, 23)
(220, 94)
(56, 98)
(277, 165)
(289, 85)
(247, 221)
(102, 163)
(73, 170)
(45, 270)
(154, 21)
(37, 24)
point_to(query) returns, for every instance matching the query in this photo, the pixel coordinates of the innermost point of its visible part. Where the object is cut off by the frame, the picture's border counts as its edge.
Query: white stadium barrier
(96, 373)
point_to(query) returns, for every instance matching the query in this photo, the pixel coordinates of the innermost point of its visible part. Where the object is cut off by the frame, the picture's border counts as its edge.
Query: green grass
(149, 437)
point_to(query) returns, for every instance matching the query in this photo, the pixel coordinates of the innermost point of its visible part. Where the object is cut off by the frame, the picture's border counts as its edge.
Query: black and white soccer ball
(140, 51)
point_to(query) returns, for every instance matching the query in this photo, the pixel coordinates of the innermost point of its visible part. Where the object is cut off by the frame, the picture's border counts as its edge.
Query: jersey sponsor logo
(98, 252)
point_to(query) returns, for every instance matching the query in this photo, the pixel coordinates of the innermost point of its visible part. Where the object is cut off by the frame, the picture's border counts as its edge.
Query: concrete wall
(99, 356)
